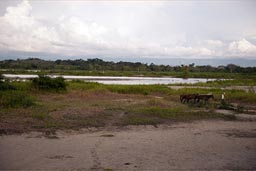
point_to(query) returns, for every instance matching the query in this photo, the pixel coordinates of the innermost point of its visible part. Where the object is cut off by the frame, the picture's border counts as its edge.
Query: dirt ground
(200, 145)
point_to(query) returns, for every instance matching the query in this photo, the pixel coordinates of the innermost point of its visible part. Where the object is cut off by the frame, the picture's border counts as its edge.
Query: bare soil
(199, 145)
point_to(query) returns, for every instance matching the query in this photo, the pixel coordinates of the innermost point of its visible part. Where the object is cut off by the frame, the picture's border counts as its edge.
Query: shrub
(49, 84)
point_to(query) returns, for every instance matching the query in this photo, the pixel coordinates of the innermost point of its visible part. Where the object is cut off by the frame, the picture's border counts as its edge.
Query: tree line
(100, 65)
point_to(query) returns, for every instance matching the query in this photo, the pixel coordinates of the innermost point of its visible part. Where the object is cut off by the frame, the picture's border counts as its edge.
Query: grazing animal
(187, 97)
(204, 97)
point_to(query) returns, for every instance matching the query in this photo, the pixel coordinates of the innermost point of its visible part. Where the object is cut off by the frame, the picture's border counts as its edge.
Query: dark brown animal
(204, 97)
(187, 97)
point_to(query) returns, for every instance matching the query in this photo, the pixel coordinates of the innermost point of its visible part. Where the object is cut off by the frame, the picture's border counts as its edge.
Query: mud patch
(10, 131)
(240, 134)
(127, 163)
(51, 134)
(60, 157)
(107, 135)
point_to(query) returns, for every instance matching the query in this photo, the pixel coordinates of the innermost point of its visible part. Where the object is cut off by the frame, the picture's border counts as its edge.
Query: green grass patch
(83, 85)
(4, 86)
(79, 121)
(241, 96)
(12, 99)
(163, 113)
(40, 116)
(157, 115)
(139, 120)
(22, 86)
(51, 124)
(234, 82)
(122, 89)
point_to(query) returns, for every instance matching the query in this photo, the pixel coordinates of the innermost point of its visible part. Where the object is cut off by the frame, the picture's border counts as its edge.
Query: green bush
(49, 84)
(15, 99)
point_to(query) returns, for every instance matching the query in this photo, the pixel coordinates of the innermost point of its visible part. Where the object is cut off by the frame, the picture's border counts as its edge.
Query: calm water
(118, 80)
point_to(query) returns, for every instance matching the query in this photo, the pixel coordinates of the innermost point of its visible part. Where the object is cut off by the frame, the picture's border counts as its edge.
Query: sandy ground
(202, 145)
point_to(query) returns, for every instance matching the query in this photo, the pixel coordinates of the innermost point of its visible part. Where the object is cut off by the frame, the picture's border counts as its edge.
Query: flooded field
(118, 80)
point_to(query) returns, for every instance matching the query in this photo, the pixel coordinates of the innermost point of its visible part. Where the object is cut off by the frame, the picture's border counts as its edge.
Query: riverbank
(200, 145)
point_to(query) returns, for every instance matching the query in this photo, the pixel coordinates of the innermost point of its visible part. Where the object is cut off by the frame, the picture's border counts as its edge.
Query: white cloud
(21, 31)
(242, 48)
(215, 43)
(72, 35)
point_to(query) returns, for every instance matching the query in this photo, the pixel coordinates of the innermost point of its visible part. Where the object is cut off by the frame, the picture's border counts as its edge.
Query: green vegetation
(14, 99)
(155, 115)
(234, 82)
(5, 85)
(49, 84)
(122, 89)
(185, 71)
(40, 116)
(137, 89)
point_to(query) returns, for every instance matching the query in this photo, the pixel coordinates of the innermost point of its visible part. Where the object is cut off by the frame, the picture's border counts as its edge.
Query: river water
(117, 80)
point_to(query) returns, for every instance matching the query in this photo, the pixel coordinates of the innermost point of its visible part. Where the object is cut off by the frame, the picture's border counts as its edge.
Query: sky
(51, 29)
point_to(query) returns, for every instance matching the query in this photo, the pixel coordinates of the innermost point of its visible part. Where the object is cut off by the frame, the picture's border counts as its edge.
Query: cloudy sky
(134, 29)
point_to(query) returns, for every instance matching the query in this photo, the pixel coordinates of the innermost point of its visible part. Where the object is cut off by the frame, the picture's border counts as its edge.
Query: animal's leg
(183, 100)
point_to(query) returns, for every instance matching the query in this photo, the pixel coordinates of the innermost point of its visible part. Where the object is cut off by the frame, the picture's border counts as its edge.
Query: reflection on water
(118, 80)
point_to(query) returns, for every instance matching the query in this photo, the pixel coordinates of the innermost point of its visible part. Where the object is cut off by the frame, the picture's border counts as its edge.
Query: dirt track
(204, 145)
